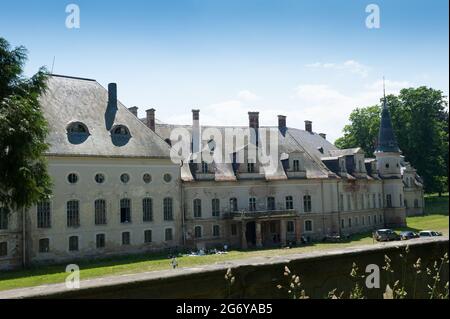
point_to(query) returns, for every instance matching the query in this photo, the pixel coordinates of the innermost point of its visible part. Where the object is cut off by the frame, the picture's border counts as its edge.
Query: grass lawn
(438, 219)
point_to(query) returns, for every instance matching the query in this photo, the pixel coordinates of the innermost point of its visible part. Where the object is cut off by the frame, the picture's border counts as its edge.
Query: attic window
(77, 128)
(120, 130)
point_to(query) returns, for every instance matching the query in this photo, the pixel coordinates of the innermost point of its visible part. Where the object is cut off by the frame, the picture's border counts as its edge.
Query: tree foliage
(420, 121)
(23, 171)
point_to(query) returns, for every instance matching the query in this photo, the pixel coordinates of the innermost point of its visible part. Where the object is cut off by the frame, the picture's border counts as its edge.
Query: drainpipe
(24, 254)
(339, 208)
(323, 208)
(183, 225)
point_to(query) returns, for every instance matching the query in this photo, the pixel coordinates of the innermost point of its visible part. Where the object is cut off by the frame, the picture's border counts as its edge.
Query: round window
(167, 178)
(99, 178)
(147, 178)
(72, 178)
(125, 178)
(387, 165)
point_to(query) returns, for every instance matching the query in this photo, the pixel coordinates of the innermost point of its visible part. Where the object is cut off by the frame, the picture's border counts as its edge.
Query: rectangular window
(233, 204)
(389, 200)
(349, 222)
(368, 200)
(125, 210)
(44, 245)
(73, 213)
(198, 232)
(290, 226)
(147, 210)
(342, 223)
(374, 201)
(363, 220)
(252, 204)
(233, 229)
(4, 212)
(168, 208)
(168, 234)
(250, 167)
(289, 202)
(43, 215)
(148, 236)
(126, 238)
(215, 204)
(216, 230)
(204, 168)
(197, 208)
(374, 219)
(379, 201)
(349, 203)
(307, 203)
(273, 227)
(296, 165)
(3, 249)
(73, 243)
(341, 202)
(100, 212)
(308, 225)
(100, 240)
(363, 205)
(270, 203)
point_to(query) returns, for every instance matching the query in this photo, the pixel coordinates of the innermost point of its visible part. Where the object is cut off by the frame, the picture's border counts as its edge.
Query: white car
(429, 233)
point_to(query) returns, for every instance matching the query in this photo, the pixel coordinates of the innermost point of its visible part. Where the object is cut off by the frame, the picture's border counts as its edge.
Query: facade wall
(11, 238)
(87, 190)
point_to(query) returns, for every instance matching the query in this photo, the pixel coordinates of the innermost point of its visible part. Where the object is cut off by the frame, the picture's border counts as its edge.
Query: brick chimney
(112, 95)
(134, 110)
(253, 124)
(195, 131)
(282, 124)
(324, 136)
(151, 119)
(308, 126)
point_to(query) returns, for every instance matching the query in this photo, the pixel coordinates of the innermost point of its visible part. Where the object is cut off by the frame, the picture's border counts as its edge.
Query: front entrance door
(250, 233)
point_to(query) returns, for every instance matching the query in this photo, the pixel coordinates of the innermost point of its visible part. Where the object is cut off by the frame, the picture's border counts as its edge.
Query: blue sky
(309, 60)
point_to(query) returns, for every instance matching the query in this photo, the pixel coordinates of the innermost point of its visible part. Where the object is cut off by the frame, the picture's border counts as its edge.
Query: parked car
(429, 233)
(385, 235)
(408, 235)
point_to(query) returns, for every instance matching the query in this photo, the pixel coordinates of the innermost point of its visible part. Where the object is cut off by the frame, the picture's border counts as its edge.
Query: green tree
(24, 179)
(420, 121)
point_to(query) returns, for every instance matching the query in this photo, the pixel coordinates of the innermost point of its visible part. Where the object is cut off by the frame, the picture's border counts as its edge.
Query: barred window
(3, 249)
(168, 208)
(216, 230)
(148, 236)
(73, 243)
(44, 245)
(126, 238)
(147, 209)
(204, 167)
(43, 215)
(308, 225)
(252, 204)
(233, 204)
(73, 213)
(374, 201)
(290, 226)
(100, 212)
(389, 200)
(307, 203)
(4, 212)
(125, 210)
(168, 234)
(250, 167)
(289, 202)
(270, 203)
(100, 240)
(198, 232)
(197, 208)
(215, 203)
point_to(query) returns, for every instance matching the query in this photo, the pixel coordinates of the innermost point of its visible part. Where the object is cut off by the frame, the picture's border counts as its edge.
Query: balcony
(261, 214)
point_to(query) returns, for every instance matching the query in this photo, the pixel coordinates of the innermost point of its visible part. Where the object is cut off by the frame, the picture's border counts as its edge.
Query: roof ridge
(71, 77)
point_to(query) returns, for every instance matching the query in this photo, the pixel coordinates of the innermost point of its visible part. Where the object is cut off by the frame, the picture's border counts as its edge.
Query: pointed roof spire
(386, 138)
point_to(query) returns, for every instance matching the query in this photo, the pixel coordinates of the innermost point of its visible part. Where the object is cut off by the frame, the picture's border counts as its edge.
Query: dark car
(385, 235)
(408, 235)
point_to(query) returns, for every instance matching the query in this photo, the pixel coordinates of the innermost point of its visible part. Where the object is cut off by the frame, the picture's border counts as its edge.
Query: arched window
(125, 210)
(197, 208)
(147, 210)
(215, 204)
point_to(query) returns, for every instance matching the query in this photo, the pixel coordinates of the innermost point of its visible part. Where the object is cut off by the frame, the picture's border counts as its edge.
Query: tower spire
(384, 94)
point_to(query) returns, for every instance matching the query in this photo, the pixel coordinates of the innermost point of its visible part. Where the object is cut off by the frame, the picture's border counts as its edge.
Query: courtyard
(436, 218)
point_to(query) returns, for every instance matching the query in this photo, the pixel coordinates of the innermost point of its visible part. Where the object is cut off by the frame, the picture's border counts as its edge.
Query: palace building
(117, 191)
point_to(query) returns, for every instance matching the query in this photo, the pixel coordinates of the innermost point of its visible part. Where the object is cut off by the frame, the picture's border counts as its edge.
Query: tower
(388, 158)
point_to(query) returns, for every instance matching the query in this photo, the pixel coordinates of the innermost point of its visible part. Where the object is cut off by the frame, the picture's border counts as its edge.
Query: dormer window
(204, 167)
(251, 167)
(120, 130)
(296, 166)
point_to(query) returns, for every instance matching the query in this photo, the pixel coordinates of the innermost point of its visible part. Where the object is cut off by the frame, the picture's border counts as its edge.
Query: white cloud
(351, 66)
(247, 95)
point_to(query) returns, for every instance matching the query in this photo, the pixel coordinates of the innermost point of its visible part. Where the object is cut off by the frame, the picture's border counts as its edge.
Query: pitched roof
(386, 137)
(68, 100)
